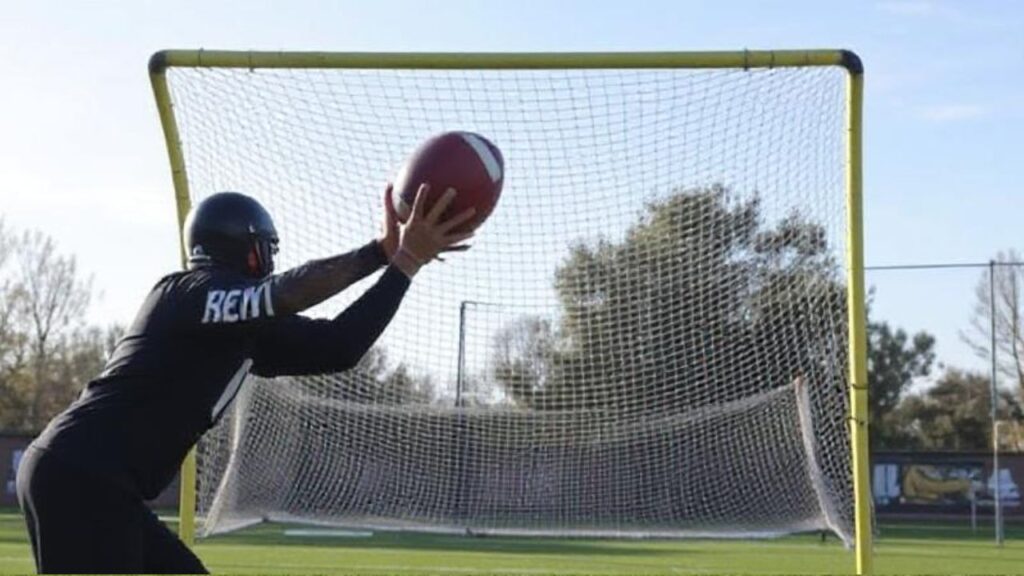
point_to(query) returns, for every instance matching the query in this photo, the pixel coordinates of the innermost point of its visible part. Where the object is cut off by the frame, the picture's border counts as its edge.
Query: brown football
(464, 161)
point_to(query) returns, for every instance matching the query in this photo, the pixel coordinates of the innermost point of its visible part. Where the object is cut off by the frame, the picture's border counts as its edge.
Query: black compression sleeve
(298, 345)
(311, 283)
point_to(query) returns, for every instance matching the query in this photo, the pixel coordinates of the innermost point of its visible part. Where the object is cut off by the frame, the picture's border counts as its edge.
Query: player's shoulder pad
(229, 298)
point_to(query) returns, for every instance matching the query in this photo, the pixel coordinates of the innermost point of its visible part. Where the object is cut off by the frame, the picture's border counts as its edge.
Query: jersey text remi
(238, 304)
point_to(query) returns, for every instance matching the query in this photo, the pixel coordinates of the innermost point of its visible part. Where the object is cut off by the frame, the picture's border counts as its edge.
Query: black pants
(80, 524)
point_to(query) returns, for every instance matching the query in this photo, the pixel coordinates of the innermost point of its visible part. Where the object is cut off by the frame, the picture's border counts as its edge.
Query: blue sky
(82, 156)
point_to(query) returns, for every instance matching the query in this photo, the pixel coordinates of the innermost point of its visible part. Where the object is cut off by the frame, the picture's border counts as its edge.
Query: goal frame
(745, 59)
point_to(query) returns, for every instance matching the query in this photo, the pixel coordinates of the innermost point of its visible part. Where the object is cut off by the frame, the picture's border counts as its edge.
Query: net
(648, 337)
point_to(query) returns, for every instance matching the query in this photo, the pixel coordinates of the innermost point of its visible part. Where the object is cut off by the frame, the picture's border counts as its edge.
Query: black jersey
(196, 337)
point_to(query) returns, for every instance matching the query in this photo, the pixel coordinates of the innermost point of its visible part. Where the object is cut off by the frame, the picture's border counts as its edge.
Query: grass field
(901, 549)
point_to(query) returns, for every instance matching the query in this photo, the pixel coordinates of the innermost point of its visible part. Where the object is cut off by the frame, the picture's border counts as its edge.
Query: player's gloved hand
(424, 236)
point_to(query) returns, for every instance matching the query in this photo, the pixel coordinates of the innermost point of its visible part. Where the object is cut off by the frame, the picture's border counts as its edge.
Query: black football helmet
(231, 230)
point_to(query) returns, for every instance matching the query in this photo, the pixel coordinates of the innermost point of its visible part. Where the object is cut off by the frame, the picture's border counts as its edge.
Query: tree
(894, 360)
(47, 354)
(698, 286)
(373, 381)
(53, 300)
(1009, 318)
(951, 415)
(15, 379)
(524, 352)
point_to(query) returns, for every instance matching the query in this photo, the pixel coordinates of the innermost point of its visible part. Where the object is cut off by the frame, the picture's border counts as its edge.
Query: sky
(82, 156)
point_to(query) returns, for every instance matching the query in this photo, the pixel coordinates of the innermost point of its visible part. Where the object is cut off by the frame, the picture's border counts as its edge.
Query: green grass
(901, 549)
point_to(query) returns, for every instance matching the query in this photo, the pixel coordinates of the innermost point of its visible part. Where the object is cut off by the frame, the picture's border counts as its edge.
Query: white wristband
(407, 262)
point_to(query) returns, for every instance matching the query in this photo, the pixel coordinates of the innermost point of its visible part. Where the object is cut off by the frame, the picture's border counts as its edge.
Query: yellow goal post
(161, 61)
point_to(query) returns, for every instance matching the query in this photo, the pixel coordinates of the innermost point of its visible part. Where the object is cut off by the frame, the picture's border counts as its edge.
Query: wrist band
(406, 262)
(408, 254)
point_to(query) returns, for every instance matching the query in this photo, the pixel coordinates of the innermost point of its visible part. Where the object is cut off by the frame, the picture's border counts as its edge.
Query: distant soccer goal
(659, 332)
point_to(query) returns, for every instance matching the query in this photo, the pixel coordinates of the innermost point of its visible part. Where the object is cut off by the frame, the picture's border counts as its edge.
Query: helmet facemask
(261, 256)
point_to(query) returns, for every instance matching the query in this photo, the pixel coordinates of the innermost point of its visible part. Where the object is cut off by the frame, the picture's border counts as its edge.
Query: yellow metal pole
(739, 59)
(858, 323)
(187, 500)
(497, 61)
(187, 493)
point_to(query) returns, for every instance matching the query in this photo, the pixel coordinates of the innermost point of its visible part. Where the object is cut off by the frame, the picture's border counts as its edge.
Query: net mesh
(648, 337)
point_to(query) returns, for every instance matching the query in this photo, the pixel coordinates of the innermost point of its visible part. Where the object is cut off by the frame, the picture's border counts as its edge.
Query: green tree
(954, 414)
(895, 359)
(698, 287)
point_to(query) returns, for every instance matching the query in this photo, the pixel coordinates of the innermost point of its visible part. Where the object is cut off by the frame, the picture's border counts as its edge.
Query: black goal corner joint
(158, 62)
(851, 61)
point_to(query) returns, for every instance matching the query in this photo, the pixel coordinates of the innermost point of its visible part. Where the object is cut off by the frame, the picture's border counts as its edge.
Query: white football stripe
(402, 209)
(485, 154)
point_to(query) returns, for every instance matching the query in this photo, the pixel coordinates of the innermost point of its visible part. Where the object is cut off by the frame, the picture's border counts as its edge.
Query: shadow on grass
(272, 535)
(938, 533)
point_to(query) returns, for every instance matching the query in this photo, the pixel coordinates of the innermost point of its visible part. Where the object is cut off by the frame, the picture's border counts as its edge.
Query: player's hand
(389, 233)
(425, 235)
